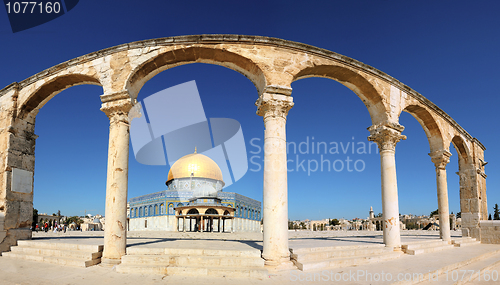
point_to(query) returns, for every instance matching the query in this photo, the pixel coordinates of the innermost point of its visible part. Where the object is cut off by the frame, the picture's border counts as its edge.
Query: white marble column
(274, 108)
(440, 159)
(387, 136)
(116, 107)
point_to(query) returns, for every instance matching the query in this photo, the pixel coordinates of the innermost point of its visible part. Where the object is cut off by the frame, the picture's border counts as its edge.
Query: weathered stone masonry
(272, 65)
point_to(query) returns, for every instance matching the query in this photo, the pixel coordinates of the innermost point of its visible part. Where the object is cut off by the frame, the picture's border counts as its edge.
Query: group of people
(56, 228)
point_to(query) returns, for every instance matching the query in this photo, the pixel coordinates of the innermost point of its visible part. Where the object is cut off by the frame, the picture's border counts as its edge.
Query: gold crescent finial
(194, 149)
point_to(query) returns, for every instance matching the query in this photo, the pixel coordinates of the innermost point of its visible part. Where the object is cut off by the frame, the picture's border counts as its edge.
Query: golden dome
(195, 165)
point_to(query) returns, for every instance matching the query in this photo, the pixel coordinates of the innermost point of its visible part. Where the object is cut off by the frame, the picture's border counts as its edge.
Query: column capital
(440, 158)
(273, 105)
(117, 105)
(386, 135)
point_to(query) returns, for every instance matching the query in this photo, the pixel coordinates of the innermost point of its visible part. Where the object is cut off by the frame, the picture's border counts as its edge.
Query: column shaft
(274, 109)
(441, 159)
(390, 204)
(115, 235)
(387, 135)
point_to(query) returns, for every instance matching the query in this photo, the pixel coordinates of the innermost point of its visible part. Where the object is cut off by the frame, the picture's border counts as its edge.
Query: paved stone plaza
(477, 257)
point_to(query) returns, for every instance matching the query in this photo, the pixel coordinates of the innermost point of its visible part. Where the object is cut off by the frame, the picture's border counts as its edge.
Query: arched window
(170, 209)
(150, 211)
(162, 209)
(211, 211)
(156, 209)
(141, 212)
(193, 211)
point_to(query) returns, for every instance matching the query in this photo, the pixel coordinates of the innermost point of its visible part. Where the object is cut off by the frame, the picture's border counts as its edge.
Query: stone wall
(490, 231)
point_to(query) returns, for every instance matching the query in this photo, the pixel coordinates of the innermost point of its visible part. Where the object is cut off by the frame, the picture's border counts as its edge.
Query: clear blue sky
(445, 50)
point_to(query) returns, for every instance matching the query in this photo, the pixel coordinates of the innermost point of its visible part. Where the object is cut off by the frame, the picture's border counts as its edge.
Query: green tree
(489, 217)
(302, 225)
(436, 212)
(459, 215)
(379, 215)
(496, 213)
(334, 222)
(73, 219)
(322, 227)
(290, 225)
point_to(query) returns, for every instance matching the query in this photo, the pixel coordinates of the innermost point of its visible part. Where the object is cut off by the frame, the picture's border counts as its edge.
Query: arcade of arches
(272, 65)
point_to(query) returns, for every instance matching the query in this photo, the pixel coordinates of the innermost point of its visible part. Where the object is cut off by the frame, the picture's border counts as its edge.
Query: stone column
(274, 108)
(387, 136)
(116, 107)
(440, 159)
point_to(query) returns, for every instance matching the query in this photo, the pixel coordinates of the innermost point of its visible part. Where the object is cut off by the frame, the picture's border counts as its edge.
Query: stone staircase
(475, 270)
(465, 241)
(194, 262)
(426, 246)
(341, 256)
(80, 255)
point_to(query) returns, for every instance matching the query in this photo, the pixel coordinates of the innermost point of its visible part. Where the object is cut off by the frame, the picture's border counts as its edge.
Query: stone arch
(429, 124)
(49, 89)
(195, 54)
(464, 156)
(355, 82)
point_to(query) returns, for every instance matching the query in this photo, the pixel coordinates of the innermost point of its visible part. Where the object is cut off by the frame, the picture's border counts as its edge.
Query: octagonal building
(194, 202)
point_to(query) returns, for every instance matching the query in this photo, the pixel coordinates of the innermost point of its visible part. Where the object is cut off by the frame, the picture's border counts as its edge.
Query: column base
(281, 264)
(110, 262)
